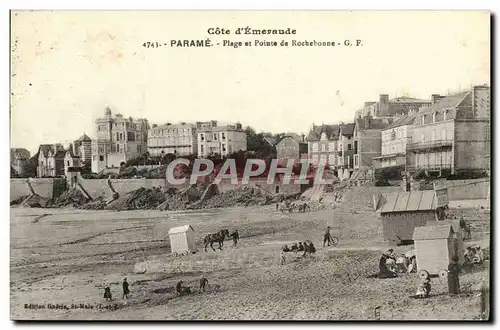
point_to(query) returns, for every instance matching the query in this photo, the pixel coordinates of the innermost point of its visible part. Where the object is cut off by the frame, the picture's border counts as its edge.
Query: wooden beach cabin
(182, 240)
(402, 212)
(434, 247)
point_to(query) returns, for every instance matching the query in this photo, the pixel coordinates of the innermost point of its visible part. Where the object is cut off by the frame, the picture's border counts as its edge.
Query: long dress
(453, 282)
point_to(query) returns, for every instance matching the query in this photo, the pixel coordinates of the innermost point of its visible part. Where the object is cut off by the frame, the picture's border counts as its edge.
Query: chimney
(213, 123)
(303, 137)
(238, 126)
(383, 108)
(368, 103)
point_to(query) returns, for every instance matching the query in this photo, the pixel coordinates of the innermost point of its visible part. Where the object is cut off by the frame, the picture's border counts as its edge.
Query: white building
(223, 140)
(118, 140)
(179, 139)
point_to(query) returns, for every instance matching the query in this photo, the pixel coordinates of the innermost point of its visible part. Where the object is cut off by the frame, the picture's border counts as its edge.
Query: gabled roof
(84, 137)
(296, 137)
(71, 152)
(347, 129)
(19, 153)
(448, 102)
(331, 132)
(432, 232)
(181, 229)
(406, 120)
(410, 201)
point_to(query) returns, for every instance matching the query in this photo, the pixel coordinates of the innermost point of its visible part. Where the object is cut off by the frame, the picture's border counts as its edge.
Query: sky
(67, 67)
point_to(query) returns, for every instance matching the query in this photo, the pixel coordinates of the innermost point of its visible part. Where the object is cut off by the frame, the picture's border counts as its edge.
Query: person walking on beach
(203, 283)
(126, 290)
(235, 237)
(107, 293)
(327, 236)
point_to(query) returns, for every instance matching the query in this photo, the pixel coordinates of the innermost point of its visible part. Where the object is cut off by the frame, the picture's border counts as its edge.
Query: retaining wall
(468, 189)
(45, 187)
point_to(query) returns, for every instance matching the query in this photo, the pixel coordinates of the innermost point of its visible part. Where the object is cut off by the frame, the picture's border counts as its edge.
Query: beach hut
(458, 236)
(434, 247)
(402, 212)
(182, 240)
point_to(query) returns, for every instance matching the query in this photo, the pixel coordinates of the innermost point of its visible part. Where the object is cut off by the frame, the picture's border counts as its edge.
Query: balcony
(430, 145)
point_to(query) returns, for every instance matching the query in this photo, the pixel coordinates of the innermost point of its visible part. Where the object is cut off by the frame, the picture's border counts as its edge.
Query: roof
(448, 102)
(374, 123)
(84, 137)
(347, 129)
(331, 132)
(406, 120)
(181, 229)
(404, 99)
(60, 153)
(19, 153)
(411, 201)
(71, 151)
(432, 232)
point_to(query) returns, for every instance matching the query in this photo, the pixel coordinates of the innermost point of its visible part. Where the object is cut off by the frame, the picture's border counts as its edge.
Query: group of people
(183, 290)
(307, 247)
(126, 291)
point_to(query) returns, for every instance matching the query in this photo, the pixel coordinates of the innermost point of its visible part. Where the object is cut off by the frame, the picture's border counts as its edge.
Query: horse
(218, 237)
(304, 206)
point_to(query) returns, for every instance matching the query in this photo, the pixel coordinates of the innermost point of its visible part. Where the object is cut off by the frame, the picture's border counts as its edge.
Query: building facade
(346, 146)
(367, 141)
(18, 157)
(395, 138)
(83, 149)
(50, 160)
(323, 144)
(223, 140)
(291, 147)
(179, 139)
(71, 160)
(118, 140)
(453, 134)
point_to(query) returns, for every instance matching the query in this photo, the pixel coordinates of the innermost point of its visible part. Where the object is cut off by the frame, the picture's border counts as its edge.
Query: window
(215, 136)
(323, 147)
(139, 149)
(399, 134)
(202, 149)
(434, 117)
(223, 147)
(223, 136)
(101, 158)
(393, 135)
(202, 138)
(67, 162)
(315, 147)
(331, 147)
(349, 146)
(445, 115)
(117, 148)
(130, 136)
